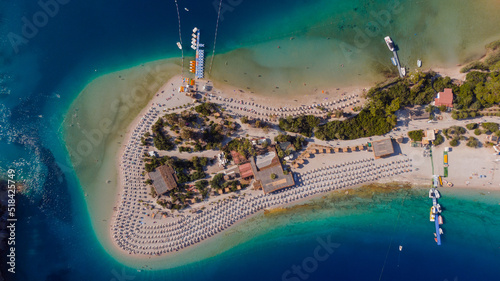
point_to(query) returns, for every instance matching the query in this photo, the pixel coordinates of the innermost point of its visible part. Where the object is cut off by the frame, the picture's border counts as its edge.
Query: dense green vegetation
(472, 142)
(471, 126)
(490, 127)
(160, 140)
(217, 181)
(303, 124)
(202, 187)
(297, 141)
(439, 140)
(206, 108)
(377, 117)
(416, 135)
(203, 135)
(242, 146)
(186, 170)
(479, 91)
(454, 132)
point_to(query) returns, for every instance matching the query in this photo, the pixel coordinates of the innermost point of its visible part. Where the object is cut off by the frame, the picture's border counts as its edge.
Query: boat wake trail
(215, 37)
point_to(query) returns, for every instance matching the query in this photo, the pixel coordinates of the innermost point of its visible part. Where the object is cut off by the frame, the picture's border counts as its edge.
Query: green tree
(472, 142)
(471, 126)
(273, 176)
(416, 135)
(439, 140)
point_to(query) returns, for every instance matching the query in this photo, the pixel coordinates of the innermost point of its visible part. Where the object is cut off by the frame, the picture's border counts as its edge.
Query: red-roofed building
(444, 98)
(246, 171)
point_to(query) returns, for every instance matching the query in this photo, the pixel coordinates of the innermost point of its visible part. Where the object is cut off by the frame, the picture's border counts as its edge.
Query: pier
(396, 57)
(434, 195)
(393, 49)
(438, 234)
(200, 57)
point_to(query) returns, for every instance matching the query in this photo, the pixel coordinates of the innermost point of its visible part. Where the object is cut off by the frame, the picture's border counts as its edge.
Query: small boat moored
(400, 248)
(179, 45)
(389, 43)
(438, 208)
(393, 60)
(440, 219)
(403, 71)
(419, 63)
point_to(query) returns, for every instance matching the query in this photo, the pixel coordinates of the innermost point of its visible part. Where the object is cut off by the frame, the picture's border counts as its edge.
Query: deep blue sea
(44, 72)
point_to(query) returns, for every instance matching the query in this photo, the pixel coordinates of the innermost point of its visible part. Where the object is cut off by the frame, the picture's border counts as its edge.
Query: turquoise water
(86, 39)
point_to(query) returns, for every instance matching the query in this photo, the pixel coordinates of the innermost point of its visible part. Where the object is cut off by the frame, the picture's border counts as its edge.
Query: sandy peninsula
(146, 233)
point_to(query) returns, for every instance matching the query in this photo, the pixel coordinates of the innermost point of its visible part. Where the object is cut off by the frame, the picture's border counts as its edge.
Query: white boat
(438, 208)
(441, 231)
(195, 29)
(403, 71)
(193, 47)
(393, 60)
(389, 43)
(436, 193)
(419, 63)
(179, 45)
(431, 193)
(400, 248)
(186, 9)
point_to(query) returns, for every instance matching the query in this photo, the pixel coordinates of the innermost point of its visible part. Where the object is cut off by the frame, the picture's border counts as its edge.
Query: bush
(454, 142)
(206, 108)
(273, 176)
(477, 132)
(416, 135)
(217, 181)
(303, 124)
(472, 142)
(471, 126)
(439, 140)
(244, 119)
(490, 126)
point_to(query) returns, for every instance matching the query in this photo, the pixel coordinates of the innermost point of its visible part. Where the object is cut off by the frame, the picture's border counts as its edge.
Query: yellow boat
(431, 215)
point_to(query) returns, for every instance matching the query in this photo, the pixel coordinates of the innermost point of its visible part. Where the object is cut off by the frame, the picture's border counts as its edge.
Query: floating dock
(200, 55)
(438, 234)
